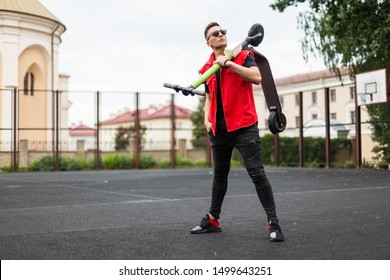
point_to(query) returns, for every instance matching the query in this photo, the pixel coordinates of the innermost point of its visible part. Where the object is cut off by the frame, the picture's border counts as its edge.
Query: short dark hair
(211, 24)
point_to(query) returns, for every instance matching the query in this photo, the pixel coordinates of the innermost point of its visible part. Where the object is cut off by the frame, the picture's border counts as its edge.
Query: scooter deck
(277, 120)
(267, 83)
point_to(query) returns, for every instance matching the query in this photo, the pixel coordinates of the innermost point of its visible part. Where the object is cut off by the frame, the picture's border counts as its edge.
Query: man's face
(215, 38)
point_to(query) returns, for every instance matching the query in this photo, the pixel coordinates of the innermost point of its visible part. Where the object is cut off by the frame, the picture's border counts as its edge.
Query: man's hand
(207, 125)
(221, 60)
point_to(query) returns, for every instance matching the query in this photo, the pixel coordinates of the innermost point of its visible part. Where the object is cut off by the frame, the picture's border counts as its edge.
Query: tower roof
(30, 7)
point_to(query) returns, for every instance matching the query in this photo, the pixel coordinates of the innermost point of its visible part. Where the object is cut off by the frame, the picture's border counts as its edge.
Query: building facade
(155, 121)
(342, 107)
(30, 36)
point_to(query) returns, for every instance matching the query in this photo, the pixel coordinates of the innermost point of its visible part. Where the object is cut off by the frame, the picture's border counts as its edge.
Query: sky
(123, 45)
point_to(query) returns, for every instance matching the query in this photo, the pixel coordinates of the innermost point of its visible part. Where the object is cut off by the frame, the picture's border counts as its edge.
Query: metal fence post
(57, 129)
(97, 160)
(301, 139)
(137, 133)
(327, 128)
(173, 128)
(15, 129)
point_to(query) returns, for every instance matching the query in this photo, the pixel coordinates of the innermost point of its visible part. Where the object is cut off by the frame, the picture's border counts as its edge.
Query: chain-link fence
(146, 128)
(94, 125)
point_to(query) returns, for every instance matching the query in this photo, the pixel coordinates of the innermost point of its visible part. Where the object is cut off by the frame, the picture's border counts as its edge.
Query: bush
(165, 164)
(46, 163)
(147, 162)
(314, 150)
(383, 165)
(117, 162)
(6, 168)
(184, 162)
(69, 164)
(66, 164)
(201, 163)
(235, 163)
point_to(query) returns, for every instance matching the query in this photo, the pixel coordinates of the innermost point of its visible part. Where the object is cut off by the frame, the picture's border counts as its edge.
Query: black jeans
(247, 142)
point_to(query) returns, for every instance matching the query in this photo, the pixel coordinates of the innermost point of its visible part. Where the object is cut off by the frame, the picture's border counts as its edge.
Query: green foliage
(118, 162)
(345, 33)
(353, 34)
(235, 163)
(184, 162)
(124, 135)
(380, 118)
(122, 138)
(46, 163)
(6, 168)
(198, 132)
(68, 164)
(180, 163)
(201, 163)
(112, 162)
(147, 162)
(165, 164)
(314, 153)
(383, 165)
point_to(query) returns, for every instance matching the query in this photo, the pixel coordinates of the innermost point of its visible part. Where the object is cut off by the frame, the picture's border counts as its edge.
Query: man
(231, 122)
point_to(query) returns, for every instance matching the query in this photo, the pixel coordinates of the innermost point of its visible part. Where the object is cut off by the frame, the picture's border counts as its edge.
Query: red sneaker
(207, 225)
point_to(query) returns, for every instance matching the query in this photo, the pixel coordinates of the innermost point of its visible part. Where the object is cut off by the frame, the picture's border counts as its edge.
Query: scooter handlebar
(185, 90)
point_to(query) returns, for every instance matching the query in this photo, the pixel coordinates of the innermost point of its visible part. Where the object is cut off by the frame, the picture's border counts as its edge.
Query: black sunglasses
(216, 33)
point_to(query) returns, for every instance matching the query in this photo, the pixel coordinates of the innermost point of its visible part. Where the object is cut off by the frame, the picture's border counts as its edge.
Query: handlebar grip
(168, 85)
(198, 92)
(185, 90)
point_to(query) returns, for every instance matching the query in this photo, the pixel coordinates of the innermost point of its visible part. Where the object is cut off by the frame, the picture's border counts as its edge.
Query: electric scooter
(277, 121)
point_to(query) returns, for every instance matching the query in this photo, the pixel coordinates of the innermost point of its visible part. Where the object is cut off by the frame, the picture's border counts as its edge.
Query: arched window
(28, 84)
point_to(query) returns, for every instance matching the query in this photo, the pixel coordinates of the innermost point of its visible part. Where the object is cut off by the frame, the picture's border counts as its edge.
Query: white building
(30, 36)
(83, 133)
(157, 124)
(312, 85)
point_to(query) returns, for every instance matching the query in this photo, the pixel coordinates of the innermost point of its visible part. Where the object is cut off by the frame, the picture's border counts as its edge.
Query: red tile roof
(307, 77)
(82, 130)
(149, 113)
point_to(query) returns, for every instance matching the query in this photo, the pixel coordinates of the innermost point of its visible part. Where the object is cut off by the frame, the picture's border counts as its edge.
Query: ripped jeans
(247, 142)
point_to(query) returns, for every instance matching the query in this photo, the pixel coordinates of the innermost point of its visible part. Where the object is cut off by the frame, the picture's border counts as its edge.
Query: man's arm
(207, 123)
(251, 74)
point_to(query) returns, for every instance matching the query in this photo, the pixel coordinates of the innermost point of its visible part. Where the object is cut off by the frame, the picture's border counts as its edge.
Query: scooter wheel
(275, 124)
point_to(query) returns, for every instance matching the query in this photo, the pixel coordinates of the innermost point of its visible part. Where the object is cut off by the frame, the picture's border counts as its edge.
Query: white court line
(154, 200)
(111, 192)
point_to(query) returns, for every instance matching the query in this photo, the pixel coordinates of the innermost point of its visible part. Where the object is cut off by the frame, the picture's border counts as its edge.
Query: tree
(353, 34)
(125, 134)
(198, 132)
(122, 138)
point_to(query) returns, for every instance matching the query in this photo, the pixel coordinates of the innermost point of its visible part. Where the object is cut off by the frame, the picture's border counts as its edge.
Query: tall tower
(30, 36)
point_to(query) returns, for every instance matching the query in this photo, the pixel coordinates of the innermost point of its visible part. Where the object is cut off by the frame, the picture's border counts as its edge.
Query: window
(314, 116)
(314, 97)
(296, 99)
(297, 121)
(352, 93)
(333, 95)
(353, 116)
(333, 116)
(28, 84)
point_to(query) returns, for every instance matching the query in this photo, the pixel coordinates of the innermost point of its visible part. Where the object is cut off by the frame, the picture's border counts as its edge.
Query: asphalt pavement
(325, 214)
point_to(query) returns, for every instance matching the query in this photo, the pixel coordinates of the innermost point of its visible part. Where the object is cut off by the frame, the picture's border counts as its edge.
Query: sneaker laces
(205, 222)
(274, 227)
